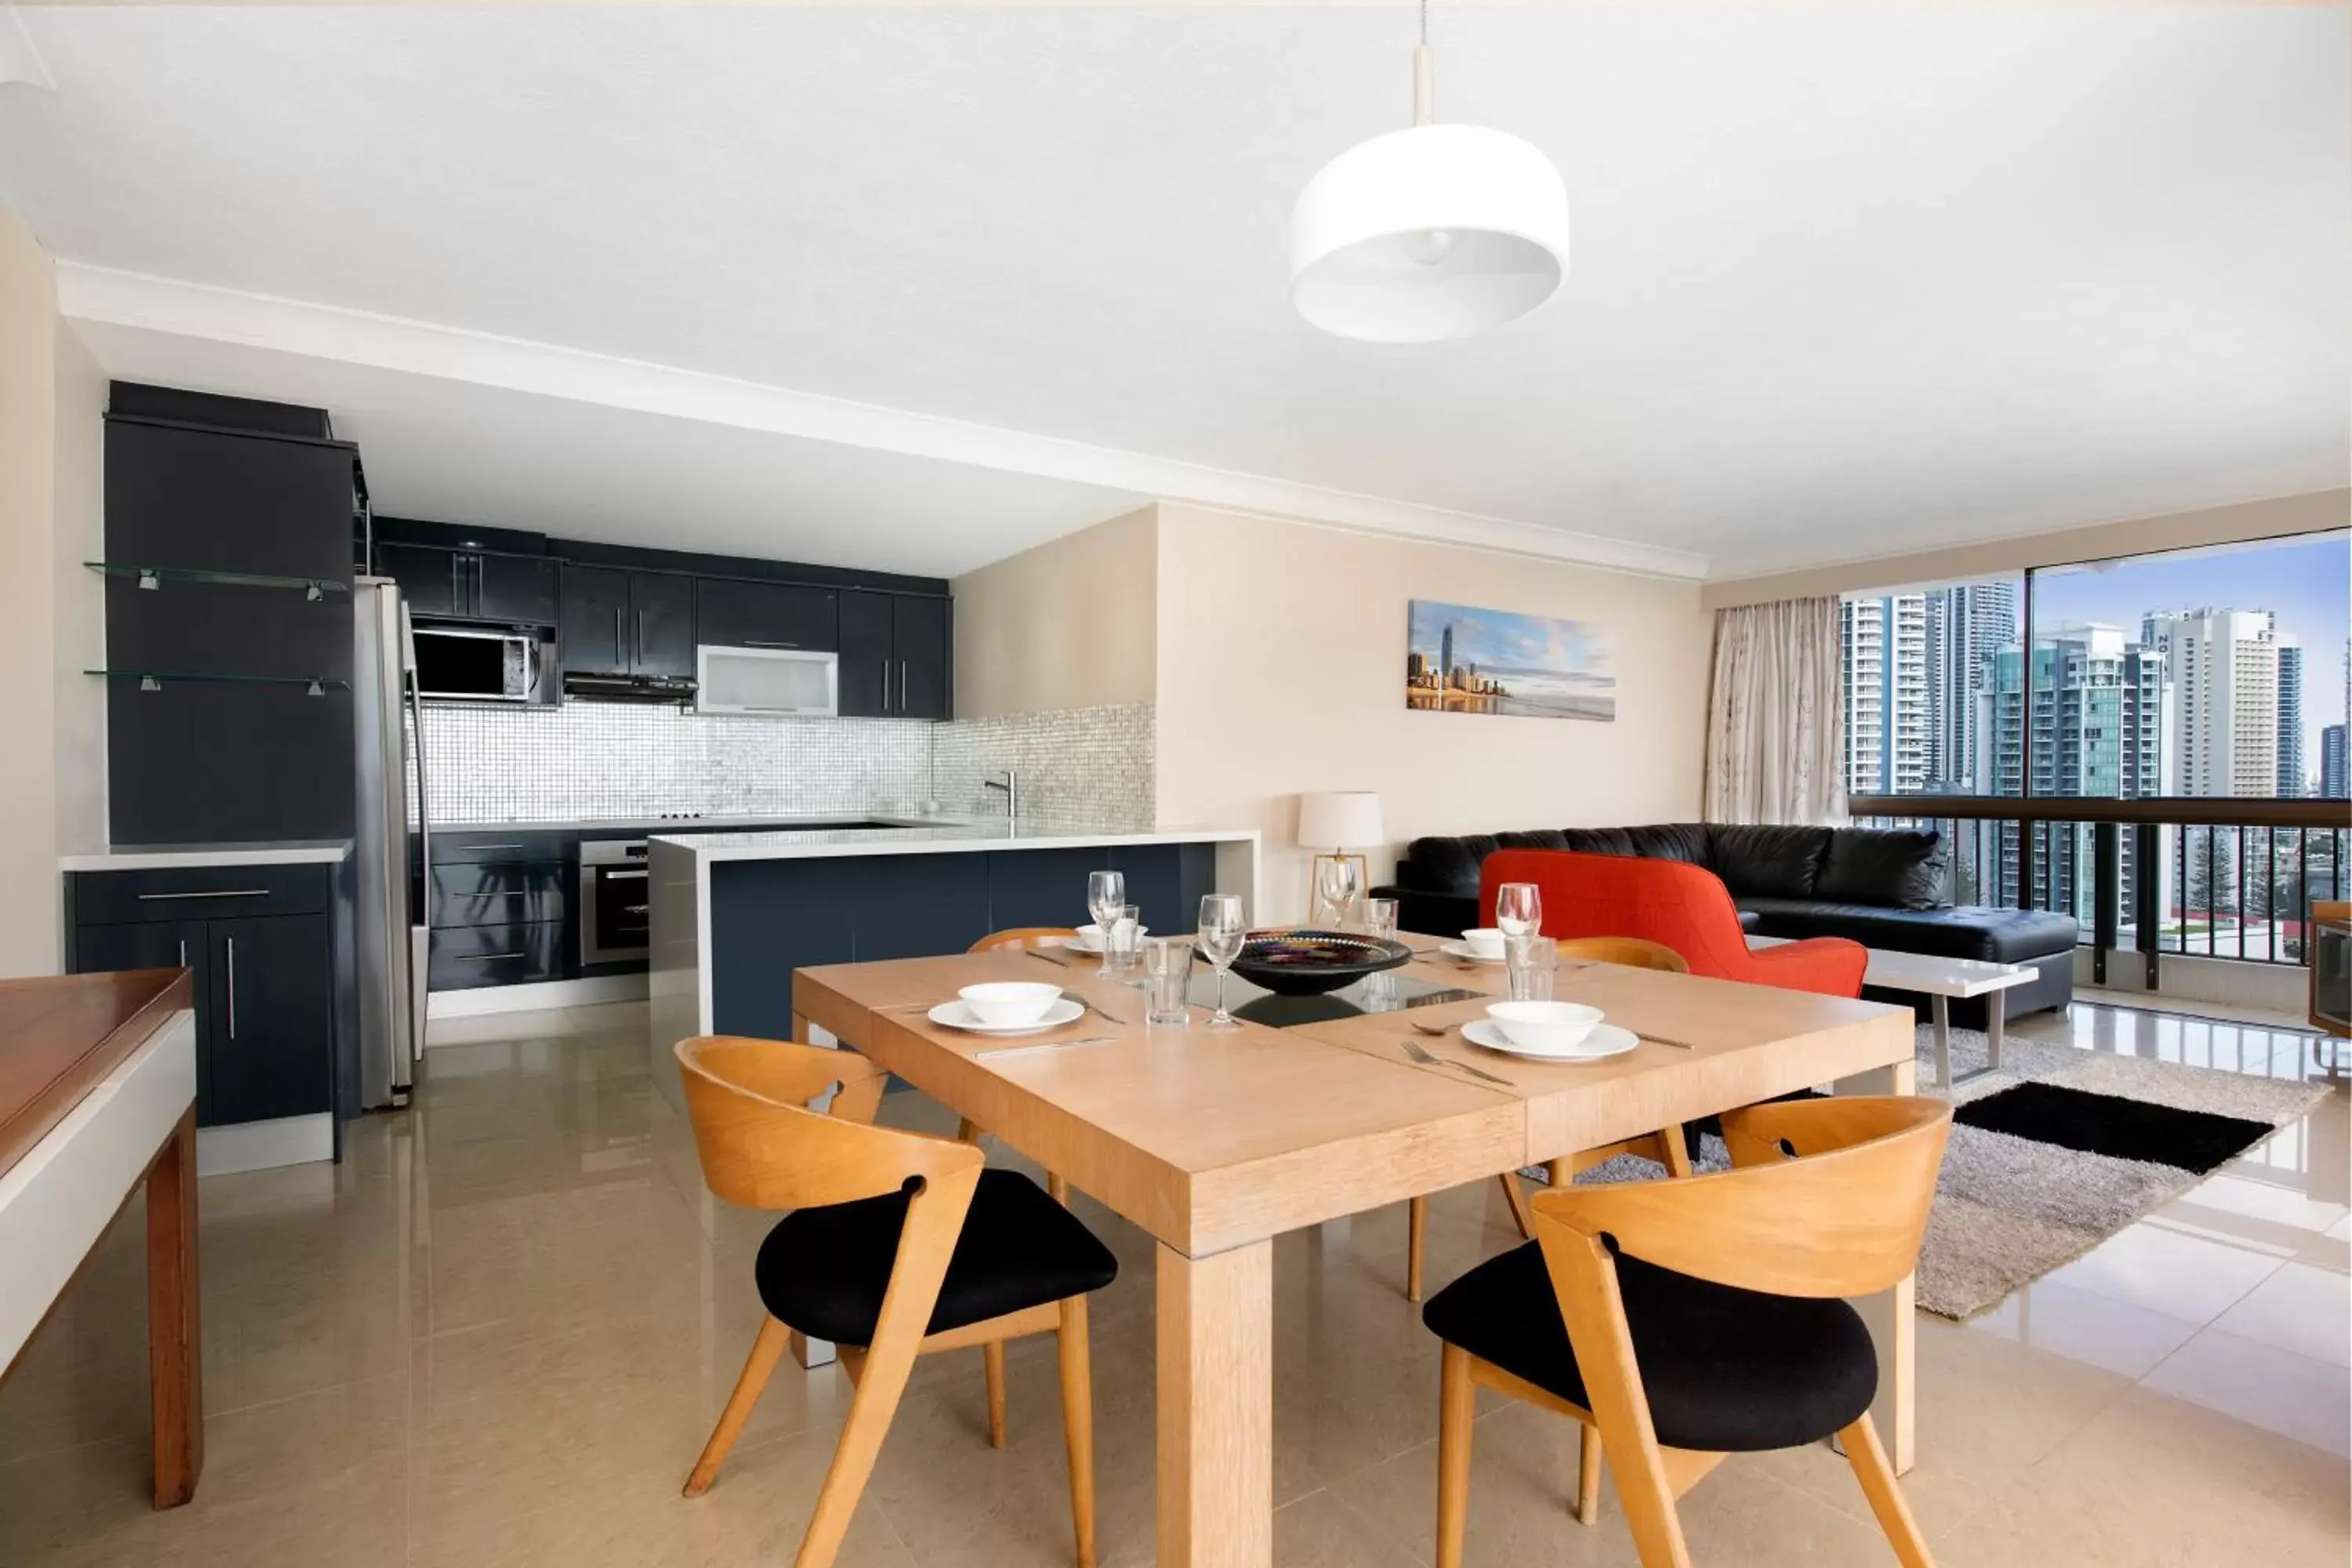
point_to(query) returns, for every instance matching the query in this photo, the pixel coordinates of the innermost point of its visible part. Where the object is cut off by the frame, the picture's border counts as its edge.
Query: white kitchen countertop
(673, 824)
(936, 839)
(281, 852)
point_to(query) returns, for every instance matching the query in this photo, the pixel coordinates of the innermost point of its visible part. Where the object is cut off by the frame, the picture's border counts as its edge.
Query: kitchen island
(734, 914)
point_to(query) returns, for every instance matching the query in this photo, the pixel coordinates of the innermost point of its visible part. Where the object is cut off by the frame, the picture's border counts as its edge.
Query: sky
(2308, 582)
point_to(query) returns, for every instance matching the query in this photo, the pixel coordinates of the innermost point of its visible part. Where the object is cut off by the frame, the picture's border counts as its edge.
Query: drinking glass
(1106, 892)
(1518, 909)
(1167, 971)
(1530, 961)
(1380, 919)
(1223, 932)
(1119, 935)
(1337, 887)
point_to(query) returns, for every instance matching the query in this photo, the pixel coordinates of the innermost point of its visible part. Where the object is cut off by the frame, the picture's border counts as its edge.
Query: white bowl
(1486, 941)
(1009, 1004)
(1090, 936)
(1545, 1025)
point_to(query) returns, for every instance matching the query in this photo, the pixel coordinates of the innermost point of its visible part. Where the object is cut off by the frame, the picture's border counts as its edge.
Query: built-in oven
(479, 666)
(615, 900)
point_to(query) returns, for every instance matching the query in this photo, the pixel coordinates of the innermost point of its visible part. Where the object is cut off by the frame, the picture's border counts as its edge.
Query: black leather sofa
(1885, 888)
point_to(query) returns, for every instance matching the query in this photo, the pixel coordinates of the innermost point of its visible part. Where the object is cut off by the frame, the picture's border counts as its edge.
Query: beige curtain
(1776, 724)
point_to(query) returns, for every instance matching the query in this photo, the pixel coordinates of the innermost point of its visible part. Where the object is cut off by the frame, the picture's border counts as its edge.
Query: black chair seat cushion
(1726, 1371)
(1968, 930)
(823, 1270)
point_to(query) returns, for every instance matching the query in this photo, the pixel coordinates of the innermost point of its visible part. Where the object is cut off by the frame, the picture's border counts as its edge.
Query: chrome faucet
(1012, 788)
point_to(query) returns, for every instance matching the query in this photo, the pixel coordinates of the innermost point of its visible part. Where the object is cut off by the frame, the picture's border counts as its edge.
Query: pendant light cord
(1424, 75)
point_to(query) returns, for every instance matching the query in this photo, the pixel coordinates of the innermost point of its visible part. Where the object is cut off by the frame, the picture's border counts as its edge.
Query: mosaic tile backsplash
(1079, 768)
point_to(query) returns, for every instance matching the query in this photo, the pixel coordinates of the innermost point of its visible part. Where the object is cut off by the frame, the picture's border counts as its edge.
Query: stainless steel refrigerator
(392, 919)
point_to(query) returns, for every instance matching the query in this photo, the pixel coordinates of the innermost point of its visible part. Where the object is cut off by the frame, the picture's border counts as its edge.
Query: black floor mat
(2123, 1128)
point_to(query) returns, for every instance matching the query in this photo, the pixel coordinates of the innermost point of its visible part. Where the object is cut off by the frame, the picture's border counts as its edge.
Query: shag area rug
(2057, 1152)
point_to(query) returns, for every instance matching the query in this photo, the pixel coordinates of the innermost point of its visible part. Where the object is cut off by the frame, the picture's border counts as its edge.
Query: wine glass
(1106, 896)
(1518, 909)
(1223, 932)
(1336, 889)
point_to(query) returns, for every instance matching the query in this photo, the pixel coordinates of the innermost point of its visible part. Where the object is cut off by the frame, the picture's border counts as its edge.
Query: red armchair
(1684, 906)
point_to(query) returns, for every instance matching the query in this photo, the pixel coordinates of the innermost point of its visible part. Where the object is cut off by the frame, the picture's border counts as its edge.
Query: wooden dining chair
(898, 1244)
(1667, 1145)
(1681, 1320)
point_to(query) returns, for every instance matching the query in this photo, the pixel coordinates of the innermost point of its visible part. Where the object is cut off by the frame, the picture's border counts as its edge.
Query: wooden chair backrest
(1827, 1197)
(1022, 936)
(1636, 952)
(763, 1147)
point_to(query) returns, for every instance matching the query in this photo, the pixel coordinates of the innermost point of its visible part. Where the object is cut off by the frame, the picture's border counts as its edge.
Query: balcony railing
(2202, 877)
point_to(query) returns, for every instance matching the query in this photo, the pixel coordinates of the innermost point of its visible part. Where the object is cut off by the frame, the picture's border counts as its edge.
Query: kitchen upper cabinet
(894, 656)
(617, 621)
(464, 585)
(919, 640)
(869, 671)
(733, 612)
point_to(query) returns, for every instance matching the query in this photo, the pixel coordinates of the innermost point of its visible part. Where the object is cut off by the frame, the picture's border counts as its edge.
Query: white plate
(1606, 1040)
(1463, 950)
(956, 1015)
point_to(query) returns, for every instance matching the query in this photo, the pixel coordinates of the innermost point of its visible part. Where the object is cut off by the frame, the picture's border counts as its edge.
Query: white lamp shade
(1340, 819)
(1434, 232)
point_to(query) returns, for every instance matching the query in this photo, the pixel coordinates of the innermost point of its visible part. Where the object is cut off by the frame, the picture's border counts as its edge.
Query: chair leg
(881, 1379)
(1058, 1188)
(1517, 1199)
(1416, 1228)
(1673, 1153)
(993, 1356)
(968, 1131)
(1864, 1452)
(766, 1351)
(1078, 1423)
(1588, 1474)
(1456, 1405)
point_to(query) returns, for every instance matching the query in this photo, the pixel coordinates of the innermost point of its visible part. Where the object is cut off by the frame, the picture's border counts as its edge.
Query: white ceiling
(1847, 280)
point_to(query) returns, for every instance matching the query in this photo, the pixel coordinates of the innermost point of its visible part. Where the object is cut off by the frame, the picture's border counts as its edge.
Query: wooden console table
(98, 1093)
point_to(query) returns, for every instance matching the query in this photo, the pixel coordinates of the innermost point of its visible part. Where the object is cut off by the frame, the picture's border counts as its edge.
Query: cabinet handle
(223, 893)
(619, 657)
(641, 637)
(885, 685)
(902, 686)
(460, 957)
(232, 987)
(633, 909)
(457, 589)
(481, 847)
(754, 642)
(622, 876)
(183, 953)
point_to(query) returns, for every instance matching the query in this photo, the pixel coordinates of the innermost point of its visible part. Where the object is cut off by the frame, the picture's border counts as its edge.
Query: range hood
(677, 689)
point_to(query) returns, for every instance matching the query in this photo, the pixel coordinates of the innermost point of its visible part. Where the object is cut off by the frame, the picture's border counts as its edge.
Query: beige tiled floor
(497, 1335)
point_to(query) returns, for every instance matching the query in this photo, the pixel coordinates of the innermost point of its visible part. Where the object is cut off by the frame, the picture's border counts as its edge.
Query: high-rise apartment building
(2097, 723)
(1884, 643)
(2290, 717)
(1966, 625)
(2225, 672)
(2332, 781)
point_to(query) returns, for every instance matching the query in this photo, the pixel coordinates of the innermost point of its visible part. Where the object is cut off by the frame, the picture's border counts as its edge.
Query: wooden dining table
(1217, 1141)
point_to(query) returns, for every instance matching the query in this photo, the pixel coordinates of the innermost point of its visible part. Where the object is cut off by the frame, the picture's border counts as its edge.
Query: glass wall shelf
(153, 680)
(152, 578)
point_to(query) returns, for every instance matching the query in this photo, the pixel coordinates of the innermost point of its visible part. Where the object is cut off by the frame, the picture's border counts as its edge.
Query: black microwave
(479, 666)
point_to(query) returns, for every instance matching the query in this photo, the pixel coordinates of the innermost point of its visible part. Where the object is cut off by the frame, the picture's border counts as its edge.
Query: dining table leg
(1891, 1314)
(175, 1332)
(1216, 1408)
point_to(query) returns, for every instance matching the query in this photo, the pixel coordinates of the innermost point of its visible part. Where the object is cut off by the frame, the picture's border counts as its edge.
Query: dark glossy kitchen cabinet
(617, 621)
(272, 1006)
(471, 585)
(731, 613)
(894, 657)
(271, 985)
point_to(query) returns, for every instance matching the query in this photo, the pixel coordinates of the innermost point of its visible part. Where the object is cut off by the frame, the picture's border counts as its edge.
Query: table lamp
(1335, 821)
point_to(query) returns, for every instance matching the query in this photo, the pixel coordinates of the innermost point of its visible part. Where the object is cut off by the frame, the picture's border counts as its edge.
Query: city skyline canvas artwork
(1463, 660)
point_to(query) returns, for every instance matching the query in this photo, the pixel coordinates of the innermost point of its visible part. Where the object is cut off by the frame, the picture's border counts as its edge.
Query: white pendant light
(1437, 232)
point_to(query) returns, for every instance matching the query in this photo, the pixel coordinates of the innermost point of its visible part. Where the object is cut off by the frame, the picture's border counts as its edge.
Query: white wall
(51, 793)
(1067, 625)
(1281, 669)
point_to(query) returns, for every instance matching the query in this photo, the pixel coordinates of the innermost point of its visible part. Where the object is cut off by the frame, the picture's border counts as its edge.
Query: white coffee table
(1941, 980)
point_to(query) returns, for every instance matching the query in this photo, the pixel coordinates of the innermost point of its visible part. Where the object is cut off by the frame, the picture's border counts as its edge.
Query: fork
(1425, 1059)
